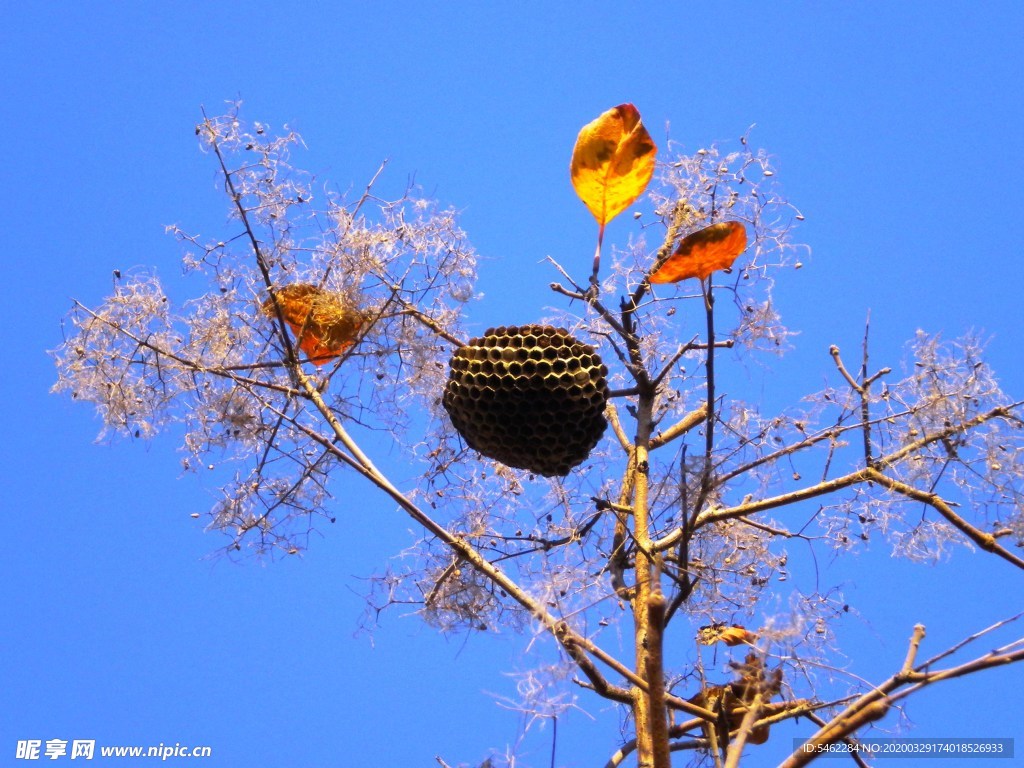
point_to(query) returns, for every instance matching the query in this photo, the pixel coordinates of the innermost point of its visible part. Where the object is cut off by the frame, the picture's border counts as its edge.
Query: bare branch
(985, 541)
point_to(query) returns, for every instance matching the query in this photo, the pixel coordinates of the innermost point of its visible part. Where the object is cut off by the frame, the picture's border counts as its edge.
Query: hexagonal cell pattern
(529, 396)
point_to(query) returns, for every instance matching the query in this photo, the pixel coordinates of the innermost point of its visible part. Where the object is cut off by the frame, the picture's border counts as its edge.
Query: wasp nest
(325, 324)
(529, 396)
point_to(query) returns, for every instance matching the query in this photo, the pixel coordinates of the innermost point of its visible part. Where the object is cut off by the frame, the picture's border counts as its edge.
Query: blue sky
(894, 128)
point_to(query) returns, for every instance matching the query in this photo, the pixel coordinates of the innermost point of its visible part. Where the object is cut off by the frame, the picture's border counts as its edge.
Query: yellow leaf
(702, 252)
(612, 162)
(324, 323)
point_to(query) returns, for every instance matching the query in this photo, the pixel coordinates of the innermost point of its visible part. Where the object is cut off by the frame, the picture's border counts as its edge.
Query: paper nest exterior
(530, 396)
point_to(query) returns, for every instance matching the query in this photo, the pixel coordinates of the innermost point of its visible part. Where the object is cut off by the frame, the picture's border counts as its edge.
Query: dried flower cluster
(220, 366)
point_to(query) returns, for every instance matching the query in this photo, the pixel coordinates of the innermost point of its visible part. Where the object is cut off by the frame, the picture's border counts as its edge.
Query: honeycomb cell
(536, 404)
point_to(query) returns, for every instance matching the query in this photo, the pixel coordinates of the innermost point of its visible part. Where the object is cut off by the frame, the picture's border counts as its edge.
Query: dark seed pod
(529, 396)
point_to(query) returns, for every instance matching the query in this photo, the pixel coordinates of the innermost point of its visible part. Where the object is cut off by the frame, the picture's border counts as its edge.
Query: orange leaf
(324, 322)
(722, 633)
(702, 252)
(612, 162)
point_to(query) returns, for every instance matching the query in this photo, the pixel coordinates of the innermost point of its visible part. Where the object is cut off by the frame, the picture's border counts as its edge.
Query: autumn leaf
(731, 635)
(702, 252)
(612, 162)
(731, 701)
(325, 323)
(723, 701)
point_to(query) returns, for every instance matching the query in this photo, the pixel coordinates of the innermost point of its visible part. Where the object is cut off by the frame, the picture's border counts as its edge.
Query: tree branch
(874, 704)
(689, 421)
(985, 541)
